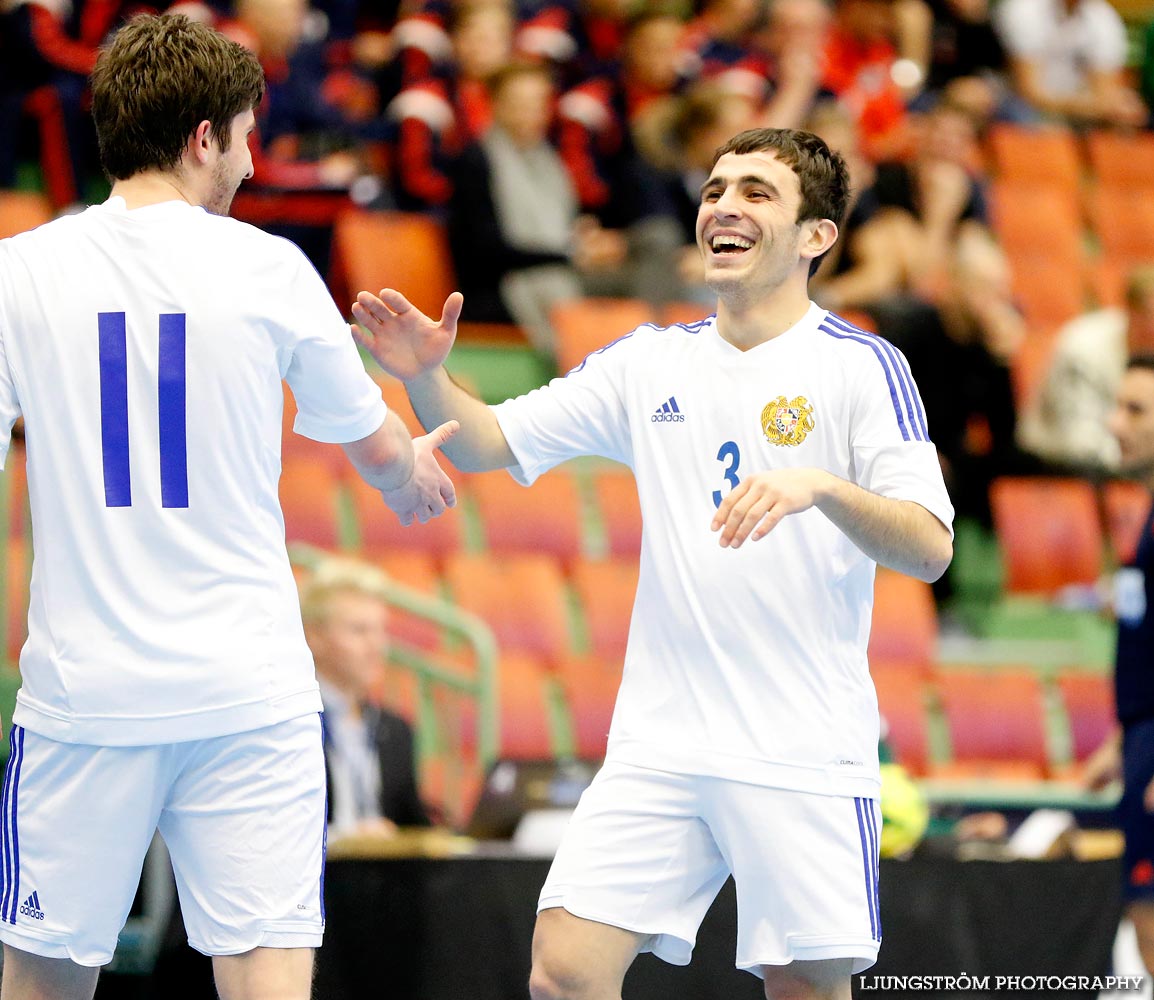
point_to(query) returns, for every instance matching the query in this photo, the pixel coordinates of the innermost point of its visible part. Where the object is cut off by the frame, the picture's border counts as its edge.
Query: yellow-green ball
(905, 813)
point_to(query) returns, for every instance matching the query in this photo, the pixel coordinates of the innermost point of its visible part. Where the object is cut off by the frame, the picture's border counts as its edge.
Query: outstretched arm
(411, 347)
(405, 470)
(900, 534)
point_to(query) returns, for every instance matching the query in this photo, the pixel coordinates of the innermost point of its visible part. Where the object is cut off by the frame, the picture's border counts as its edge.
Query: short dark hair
(496, 81)
(157, 80)
(821, 173)
(1144, 362)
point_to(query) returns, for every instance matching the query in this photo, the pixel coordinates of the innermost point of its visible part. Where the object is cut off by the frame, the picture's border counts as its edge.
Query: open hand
(402, 339)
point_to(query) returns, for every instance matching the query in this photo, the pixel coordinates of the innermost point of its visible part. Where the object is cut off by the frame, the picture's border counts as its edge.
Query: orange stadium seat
(1049, 532)
(521, 597)
(590, 685)
(526, 732)
(1047, 155)
(605, 590)
(16, 474)
(616, 492)
(415, 570)
(1121, 160)
(1033, 220)
(546, 518)
(902, 703)
(586, 325)
(1031, 364)
(297, 447)
(996, 721)
(1124, 222)
(1050, 290)
(21, 211)
(1089, 702)
(905, 620)
(686, 312)
(310, 501)
(382, 531)
(397, 400)
(1126, 505)
(402, 250)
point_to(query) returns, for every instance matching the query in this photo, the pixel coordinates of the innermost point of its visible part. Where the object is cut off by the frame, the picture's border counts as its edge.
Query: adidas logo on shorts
(31, 907)
(668, 412)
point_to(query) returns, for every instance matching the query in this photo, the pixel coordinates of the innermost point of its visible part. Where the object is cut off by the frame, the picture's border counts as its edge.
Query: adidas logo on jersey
(31, 907)
(668, 413)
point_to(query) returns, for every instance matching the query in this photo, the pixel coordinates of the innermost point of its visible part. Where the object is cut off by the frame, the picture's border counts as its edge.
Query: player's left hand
(753, 508)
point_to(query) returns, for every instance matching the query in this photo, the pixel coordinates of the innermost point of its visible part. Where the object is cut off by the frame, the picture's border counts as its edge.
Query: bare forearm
(480, 445)
(384, 459)
(899, 534)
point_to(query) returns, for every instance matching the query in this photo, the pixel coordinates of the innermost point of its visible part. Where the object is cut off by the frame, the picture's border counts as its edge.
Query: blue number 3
(728, 451)
(170, 403)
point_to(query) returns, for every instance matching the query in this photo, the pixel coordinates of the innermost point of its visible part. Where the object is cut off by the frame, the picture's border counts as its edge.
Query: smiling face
(747, 227)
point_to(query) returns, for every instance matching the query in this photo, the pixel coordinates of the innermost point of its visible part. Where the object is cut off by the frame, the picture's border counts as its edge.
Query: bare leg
(30, 977)
(826, 980)
(265, 974)
(577, 959)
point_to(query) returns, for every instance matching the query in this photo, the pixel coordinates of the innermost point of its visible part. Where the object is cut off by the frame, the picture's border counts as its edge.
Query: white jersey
(145, 350)
(745, 663)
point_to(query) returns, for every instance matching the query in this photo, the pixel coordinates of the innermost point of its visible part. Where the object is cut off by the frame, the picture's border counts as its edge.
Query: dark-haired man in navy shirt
(1129, 752)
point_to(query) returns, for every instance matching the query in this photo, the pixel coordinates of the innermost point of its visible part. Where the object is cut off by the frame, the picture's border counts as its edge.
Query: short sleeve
(893, 455)
(1106, 43)
(336, 400)
(580, 414)
(1019, 28)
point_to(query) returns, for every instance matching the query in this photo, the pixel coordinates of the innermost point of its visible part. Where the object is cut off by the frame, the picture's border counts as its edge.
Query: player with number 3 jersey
(780, 454)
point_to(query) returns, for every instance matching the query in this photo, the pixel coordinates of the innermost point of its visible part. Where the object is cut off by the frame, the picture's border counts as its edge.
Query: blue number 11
(170, 403)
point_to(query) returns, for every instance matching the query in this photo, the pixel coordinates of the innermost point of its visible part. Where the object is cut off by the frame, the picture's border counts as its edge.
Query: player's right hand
(428, 491)
(402, 339)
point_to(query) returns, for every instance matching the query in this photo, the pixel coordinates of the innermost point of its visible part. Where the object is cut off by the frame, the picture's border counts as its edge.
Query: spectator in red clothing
(47, 50)
(579, 39)
(865, 69)
(439, 116)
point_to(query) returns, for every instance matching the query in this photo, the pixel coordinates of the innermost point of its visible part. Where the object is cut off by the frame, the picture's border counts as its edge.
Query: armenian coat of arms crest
(787, 422)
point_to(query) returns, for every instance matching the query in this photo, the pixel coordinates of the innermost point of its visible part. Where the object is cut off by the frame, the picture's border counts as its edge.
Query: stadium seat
(996, 721)
(546, 518)
(1049, 533)
(902, 702)
(309, 497)
(616, 492)
(16, 483)
(418, 571)
(1088, 699)
(521, 597)
(1046, 155)
(526, 730)
(1037, 219)
(686, 313)
(397, 400)
(381, 530)
(905, 620)
(297, 447)
(590, 685)
(1124, 222)
(1049, 289)
(586, 325)
(21, 211)
(1121, 160)
(605, 590)
(19, 572)
(402, 250)
(1125, 505)
(1031, 364)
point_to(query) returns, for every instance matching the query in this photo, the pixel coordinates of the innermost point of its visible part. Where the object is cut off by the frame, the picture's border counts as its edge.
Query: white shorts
(243, 817)
(649, 850)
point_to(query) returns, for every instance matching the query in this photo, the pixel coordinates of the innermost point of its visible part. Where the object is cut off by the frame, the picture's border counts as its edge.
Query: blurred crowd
(562, 144)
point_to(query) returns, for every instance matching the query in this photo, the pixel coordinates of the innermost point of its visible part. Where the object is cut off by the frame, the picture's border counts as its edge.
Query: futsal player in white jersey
(166, 679)
(780, 453)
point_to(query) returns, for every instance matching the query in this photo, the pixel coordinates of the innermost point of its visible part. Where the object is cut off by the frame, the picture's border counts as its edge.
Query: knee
(784, 983)
(553, 978)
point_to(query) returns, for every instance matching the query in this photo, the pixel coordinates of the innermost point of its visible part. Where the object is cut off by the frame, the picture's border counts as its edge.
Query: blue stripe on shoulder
(905, 379)
(873, 343)
(688, 327)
